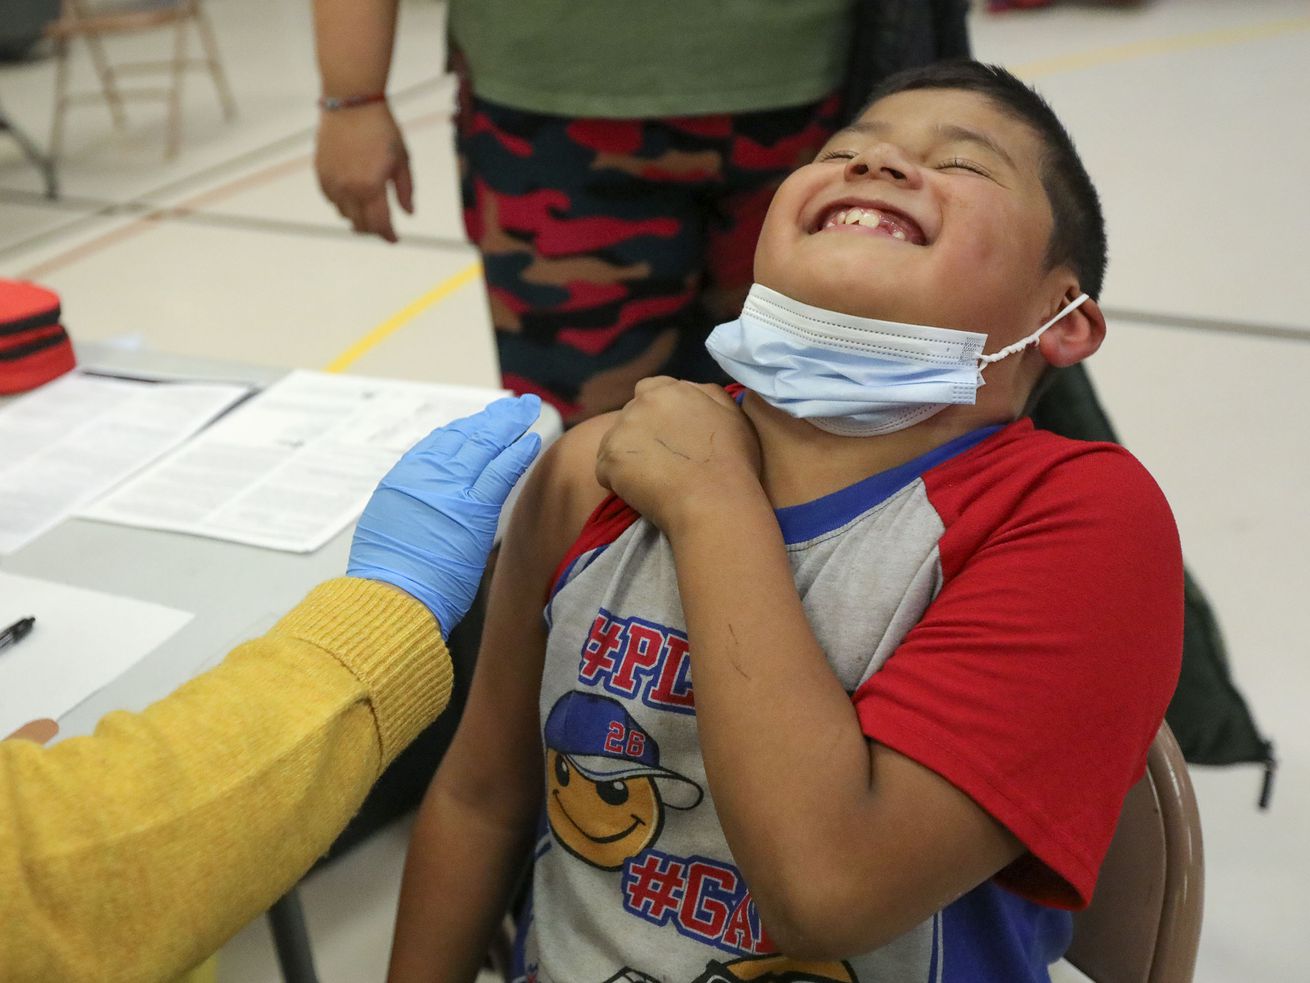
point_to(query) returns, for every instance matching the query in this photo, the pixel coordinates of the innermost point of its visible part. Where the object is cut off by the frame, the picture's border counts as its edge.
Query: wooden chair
(93, 20)
(1144, 924)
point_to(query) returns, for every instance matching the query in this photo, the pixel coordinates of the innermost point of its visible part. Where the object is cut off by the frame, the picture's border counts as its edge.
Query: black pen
(16, 632)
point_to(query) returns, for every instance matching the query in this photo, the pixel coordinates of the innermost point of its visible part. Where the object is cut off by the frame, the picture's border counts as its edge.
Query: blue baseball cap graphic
(605, 743)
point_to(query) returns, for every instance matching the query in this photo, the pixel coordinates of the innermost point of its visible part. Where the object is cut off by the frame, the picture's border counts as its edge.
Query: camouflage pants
(612, 247)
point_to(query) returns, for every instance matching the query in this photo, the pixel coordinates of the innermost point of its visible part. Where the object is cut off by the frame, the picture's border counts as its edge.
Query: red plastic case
(34, 347)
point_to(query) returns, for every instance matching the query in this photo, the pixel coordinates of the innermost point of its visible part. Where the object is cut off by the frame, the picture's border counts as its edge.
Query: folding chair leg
(207, 42)
(291, 939)
(107, 81)
(42, 162)
(61, 98)
(175, 97)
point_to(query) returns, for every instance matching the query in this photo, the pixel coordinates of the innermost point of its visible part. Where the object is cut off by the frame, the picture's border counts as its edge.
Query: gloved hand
(431, 521)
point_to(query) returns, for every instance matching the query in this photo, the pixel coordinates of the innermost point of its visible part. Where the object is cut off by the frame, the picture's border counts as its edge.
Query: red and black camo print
(612, 247)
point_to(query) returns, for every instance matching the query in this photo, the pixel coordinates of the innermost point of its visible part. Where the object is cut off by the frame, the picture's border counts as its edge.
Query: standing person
(616, 163)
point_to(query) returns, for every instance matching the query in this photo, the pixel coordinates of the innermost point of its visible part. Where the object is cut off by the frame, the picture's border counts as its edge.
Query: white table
(236, 592)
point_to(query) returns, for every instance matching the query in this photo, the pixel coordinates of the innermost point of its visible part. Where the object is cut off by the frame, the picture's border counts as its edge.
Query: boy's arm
(811, 811)
(475, 825)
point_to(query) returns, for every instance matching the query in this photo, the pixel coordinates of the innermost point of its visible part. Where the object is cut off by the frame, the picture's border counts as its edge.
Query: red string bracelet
(333, 103)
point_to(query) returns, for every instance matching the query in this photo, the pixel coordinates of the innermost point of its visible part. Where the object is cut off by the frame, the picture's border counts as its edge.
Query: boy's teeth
(897, 234)
(868, 217)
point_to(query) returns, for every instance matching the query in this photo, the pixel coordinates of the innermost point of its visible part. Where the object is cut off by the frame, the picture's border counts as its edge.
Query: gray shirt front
(633, 878)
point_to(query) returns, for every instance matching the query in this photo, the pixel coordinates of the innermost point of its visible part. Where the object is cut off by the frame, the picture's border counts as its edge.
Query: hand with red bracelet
(360, 154)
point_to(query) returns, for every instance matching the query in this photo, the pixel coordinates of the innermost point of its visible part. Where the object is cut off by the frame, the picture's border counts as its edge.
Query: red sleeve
(605, 524)
(1039, 675)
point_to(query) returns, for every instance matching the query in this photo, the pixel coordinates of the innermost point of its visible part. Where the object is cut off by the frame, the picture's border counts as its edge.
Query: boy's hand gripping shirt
(1006, 610)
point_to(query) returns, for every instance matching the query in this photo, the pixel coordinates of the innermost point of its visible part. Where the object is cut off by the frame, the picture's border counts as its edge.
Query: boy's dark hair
(1078, 232)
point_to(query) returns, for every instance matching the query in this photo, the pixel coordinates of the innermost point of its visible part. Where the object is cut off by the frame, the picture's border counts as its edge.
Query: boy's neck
(802, 462)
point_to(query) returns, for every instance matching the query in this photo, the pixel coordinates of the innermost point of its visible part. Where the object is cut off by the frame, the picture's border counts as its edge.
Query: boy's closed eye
(951, 163)
(961, 163)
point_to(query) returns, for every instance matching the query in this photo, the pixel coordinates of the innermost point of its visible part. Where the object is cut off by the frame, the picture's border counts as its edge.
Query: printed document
(293, 465)
(76, 437)
(82, 641)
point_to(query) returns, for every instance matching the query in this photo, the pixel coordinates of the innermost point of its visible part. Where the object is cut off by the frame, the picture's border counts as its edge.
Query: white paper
(81, 642)
(294, 465)
(78, 436)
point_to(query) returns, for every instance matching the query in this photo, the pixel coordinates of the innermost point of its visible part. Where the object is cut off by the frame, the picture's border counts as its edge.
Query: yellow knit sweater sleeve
(134, 853)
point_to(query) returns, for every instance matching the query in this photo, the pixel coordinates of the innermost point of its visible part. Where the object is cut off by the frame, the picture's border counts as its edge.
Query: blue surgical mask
(848, 375)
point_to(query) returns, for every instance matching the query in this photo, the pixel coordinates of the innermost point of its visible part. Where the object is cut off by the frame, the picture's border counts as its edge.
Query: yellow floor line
(402, 317)
(1142, 49)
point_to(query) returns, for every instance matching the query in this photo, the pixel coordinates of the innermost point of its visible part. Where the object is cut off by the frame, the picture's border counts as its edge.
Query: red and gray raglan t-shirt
(1005, 610)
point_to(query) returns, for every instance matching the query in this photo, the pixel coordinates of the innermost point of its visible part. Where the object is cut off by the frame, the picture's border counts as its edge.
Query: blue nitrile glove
(431, 521)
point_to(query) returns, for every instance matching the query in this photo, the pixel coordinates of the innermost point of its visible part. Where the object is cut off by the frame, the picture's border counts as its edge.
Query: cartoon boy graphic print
(605, 790)
(777, 969)
(606, 801)
(757, 969)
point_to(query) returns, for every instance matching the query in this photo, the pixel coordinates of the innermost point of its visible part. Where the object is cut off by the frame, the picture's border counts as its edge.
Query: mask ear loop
(1023, 343)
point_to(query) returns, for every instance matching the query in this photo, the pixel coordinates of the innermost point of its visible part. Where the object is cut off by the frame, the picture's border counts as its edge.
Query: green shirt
(647, 58)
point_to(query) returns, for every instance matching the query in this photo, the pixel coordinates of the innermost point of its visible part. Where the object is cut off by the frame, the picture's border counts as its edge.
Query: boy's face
(928, 210)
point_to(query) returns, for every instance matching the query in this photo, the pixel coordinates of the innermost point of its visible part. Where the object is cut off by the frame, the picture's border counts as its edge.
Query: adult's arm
(135, 853)
(360, 150)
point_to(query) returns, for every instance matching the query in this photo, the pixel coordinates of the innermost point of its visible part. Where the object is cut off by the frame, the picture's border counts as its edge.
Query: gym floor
(1185, 112)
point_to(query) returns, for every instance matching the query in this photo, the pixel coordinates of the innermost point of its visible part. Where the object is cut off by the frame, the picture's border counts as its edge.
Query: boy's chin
(846, 281)
(839, 297)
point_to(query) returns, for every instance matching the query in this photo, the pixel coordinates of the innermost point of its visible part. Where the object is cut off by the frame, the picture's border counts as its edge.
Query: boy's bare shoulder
(564, 488)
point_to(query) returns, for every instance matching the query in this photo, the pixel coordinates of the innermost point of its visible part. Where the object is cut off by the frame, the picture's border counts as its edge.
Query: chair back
(91, 21)
(1144, 923)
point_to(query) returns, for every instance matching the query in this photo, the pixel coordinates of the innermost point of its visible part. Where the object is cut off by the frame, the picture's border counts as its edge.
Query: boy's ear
(1075, 336)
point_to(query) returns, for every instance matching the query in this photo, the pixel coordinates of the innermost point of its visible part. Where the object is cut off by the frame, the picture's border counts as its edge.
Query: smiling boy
(930, 645)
